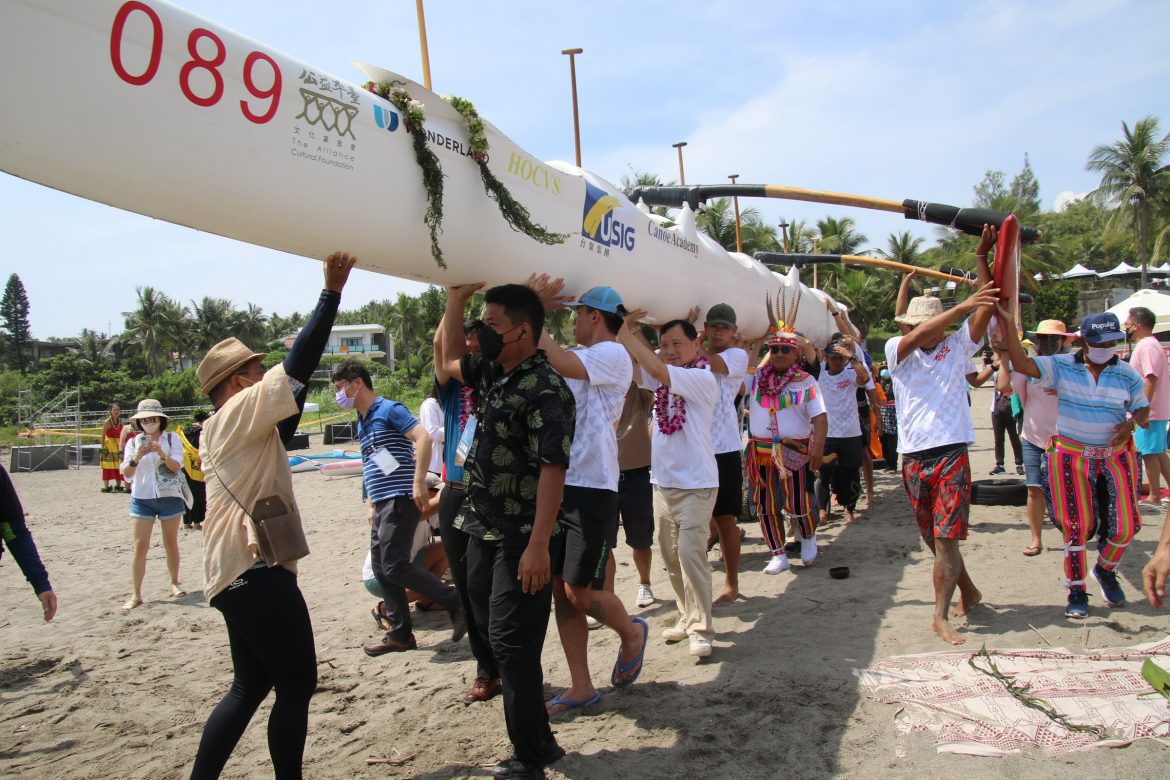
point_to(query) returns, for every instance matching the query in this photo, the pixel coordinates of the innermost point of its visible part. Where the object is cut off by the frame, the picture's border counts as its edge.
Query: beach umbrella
(1157, 302)
(1078, 271)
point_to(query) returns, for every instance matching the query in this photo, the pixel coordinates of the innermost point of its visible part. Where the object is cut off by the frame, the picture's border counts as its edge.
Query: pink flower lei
(664, 401)
(467, 404)
(769, 383)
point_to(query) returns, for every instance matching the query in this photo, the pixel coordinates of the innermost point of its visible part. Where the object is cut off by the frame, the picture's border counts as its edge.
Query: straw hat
(149, 407)
(223, 360)
(920, 310)
(1050, 328)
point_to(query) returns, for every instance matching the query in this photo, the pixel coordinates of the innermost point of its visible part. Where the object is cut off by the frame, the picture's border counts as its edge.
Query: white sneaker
(700, 647)
(592, 622)
(645, 596)
(676, 633)
(778, 564)
(808, 550)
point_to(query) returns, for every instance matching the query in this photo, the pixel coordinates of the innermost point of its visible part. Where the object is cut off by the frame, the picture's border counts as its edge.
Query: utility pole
(576, 119)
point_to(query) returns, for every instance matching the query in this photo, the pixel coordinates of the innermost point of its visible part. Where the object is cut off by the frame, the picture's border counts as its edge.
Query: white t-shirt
(839, 392)
(593, 457)
(144, 484)
(686, 458)
(793, 422)
(725, 432)
(430, 414)
(930, 392)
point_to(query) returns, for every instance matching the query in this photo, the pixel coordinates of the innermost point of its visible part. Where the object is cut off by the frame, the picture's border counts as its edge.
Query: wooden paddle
(798, 260)
(968, 220)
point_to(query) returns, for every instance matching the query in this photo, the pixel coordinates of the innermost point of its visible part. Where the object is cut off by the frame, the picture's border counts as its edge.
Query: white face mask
(1100, 355)
(150, 427)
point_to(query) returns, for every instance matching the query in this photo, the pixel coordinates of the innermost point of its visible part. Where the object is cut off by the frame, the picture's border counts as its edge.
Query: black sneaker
(1020, 470)
(1110, 588)
(997, 470)
(1078, 605)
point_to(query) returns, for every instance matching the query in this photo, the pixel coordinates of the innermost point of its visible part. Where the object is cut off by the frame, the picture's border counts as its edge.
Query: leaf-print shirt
(524, 420)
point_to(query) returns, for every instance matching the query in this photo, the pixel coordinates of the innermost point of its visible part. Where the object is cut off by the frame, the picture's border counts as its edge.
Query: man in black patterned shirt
(515, 477)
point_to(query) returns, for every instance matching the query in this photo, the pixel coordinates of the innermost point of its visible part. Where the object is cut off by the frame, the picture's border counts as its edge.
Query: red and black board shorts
(938, 482)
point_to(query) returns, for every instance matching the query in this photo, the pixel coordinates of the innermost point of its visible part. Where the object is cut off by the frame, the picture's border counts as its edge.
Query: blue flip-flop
(620, 668)
(573, 704)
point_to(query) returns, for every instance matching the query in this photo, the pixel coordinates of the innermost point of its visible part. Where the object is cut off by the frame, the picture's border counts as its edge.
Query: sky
(893, 99)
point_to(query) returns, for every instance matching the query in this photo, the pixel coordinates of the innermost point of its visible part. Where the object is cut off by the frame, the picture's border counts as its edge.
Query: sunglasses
(776, 348)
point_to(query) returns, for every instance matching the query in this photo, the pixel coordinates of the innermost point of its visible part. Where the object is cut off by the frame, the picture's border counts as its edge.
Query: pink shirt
(1039, 405)
(1148, 359)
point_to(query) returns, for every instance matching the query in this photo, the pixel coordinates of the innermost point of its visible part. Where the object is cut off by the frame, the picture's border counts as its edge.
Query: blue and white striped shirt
(385, 427)
(1088, 411)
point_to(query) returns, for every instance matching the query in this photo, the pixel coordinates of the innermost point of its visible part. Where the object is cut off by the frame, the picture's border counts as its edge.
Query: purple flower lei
(467, 403)
(664, 401)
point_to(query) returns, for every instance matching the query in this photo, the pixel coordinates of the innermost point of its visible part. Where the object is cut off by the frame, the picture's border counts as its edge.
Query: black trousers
(514, 623)
(455, 545)
(271, 641)
(1001, 423)
(395, 521)
(198, 508)
(843, 475)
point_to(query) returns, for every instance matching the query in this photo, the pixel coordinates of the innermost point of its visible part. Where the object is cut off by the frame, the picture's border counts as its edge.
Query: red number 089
(197, 62)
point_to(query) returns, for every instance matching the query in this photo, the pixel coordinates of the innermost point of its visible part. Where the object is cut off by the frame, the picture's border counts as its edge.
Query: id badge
(385, 461)
(465, 441)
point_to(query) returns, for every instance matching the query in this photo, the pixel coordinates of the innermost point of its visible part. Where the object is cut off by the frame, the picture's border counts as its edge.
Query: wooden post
(422, 40)
(682, 177)
(573, 80)
(735, 202)
(784, 234)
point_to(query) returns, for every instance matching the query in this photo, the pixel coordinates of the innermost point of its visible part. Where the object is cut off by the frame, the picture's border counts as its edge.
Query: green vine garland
(513, 212)
(413, 114)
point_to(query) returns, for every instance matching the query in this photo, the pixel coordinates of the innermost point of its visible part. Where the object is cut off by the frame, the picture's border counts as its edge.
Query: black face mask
(491, 342)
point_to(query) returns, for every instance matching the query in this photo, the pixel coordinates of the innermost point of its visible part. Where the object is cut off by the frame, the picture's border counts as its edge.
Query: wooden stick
(1039, 634)
(835, 198)
(783, 258)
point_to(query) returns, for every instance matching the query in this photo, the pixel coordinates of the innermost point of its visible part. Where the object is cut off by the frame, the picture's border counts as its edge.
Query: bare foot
(869, 498)
(135, 601)
(177, 591)
(965, 604)
(947, 632)
(849, 516)
(728, 596)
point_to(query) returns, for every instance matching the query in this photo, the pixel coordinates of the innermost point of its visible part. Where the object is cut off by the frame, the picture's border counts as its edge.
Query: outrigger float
(167, 114)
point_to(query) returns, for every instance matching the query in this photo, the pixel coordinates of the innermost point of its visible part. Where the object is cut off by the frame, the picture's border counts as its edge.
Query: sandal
(1032, 550)
(380, 617)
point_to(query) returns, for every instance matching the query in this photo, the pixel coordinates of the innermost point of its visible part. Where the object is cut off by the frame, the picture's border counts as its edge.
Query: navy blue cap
(604, 299)
(1096, 328)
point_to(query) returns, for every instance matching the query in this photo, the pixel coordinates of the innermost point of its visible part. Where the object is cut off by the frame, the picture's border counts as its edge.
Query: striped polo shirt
(385, 427)
(1086, 410)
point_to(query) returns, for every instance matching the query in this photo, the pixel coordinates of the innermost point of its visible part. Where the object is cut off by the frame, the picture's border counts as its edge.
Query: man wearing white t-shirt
(682, 467)
(839, 381)
(729, 364)
(598, 372)
(929, 371)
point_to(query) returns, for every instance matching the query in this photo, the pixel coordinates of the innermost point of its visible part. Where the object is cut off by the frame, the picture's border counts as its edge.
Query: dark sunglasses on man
(783, 350)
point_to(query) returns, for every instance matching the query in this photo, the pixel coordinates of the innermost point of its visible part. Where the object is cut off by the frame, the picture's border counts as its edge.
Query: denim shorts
(1032, 457)
(161, 508)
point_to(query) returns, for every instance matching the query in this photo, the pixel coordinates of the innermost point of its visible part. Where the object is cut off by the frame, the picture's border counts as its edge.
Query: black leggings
(271, 641)
(1001, 423)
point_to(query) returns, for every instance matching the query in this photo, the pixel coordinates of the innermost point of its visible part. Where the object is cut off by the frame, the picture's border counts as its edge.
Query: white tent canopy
(1078, 271)
(1122, 269)
(1157, 302)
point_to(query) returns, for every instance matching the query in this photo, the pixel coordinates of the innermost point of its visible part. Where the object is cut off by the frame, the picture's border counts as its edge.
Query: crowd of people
(529, 458)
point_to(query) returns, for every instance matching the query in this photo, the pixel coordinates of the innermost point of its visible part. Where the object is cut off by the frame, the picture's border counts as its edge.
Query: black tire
(999, 492)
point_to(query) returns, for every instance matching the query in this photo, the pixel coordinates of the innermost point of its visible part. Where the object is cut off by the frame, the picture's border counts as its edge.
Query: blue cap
(603, 299)
(1096, 328)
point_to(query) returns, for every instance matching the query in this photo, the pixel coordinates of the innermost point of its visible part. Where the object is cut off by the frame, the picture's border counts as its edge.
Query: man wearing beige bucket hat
(245, 460)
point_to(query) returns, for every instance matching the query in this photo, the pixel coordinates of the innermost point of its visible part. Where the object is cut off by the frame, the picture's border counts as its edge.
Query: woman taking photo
(151, 464)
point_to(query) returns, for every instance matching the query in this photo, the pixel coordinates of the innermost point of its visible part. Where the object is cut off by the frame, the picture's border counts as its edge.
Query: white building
(370, 342)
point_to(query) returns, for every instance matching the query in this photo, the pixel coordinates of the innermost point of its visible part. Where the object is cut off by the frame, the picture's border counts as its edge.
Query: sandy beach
(97, 693)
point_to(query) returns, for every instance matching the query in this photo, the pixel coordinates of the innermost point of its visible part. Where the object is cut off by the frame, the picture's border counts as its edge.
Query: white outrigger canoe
(167, 114)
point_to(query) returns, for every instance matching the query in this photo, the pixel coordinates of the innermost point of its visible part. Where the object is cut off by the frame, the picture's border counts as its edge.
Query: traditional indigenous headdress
(781, 318)
(771, 388)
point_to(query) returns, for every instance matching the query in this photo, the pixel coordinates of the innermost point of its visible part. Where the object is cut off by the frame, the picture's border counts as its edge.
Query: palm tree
(404, 321)
(645, 179)
(800, 236)
(153, 330)
(718, 221)
(212, 323)
(839, 236)
(902, 248)
(867, 295)
(1135, 178)
(251, 325)
(92, 349)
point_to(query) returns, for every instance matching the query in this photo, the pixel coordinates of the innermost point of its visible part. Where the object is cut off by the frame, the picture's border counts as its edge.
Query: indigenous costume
(110, 456)
(780, 411)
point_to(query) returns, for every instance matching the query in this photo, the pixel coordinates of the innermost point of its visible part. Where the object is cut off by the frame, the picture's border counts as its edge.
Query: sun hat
(1049, 328)
(721, 314)
(223, 360)
(1104, 326)
(921, 309)
(604, 299)
(149, 407)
